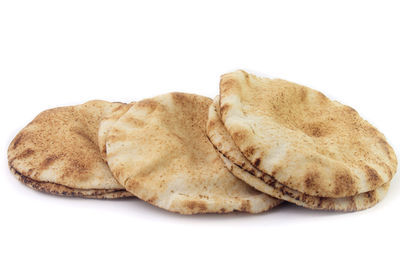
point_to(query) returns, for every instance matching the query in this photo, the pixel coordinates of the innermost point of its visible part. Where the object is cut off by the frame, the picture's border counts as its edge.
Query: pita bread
(57, 189)
(58, 153)
(242, 168)
(304, 140)
(106, 123)
(159, 151)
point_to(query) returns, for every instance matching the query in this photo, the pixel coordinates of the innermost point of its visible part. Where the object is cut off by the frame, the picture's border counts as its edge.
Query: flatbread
(304, 140)
(106, 123)
(242, 168)
(58, 153)
(159, 151)
(57, 189)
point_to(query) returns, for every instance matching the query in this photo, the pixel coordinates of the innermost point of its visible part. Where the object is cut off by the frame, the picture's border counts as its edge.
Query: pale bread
(106, 123)
(159, 151)
(58, 153)
(304, 140)
(242, 168)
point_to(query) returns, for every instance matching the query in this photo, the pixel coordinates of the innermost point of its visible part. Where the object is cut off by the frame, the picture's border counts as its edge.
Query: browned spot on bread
(384, 144)
(211, 124)
(118, 107)
(224, 108)
(18, 139)
(150, 104)
(30, 171)
(179, 98)
(344, 184)
(227, 84)
(204, 196)
(371, 197)
(48, 161)
(270, 181)
(246, 75)
(238, 136)
(353, 205)
(76, 168)
(26, 153)
(134, 121)
(257, 162)
(195, 206)
(130, 184)
(249, 151)
(85, 135)
(79, 166)
(373, 177)
(303, 94)
(152, 200)
(276, 169)
(103, 150)
(388, 170)
(246, 78)
(326, 203)
(372, 130)
(317, 129)
(245, 205)
(310, 180)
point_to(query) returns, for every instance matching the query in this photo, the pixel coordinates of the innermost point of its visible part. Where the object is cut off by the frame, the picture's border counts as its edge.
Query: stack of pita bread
(293, 143)
(259, 143)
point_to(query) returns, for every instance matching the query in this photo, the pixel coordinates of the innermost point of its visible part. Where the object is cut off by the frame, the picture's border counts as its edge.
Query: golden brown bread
(301, 138)
(58, 152)
(159, 151)
(242, 168)
(57, 189)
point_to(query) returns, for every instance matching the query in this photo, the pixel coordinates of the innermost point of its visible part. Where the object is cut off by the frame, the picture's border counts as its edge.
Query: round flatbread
(242, 168)
(304, 140)
(159, 151)
(58, 153)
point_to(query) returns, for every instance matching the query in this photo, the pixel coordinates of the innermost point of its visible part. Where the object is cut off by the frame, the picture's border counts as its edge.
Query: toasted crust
(304, 140)
(242, 168)
(159, 151)
(59, 149)
(270, 186)
(61, 190)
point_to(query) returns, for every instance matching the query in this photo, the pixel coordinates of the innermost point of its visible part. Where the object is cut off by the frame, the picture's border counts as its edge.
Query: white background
(55, 53)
